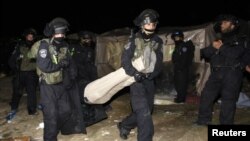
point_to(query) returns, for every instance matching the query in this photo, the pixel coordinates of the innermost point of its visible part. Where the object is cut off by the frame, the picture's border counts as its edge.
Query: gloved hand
(139, 77)
(64, 63)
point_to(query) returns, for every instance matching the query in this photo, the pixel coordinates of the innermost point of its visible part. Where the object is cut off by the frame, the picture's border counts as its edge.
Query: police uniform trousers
(224, 82)
(181, 84)
(56, 109)
(142, 100)
(27, 80)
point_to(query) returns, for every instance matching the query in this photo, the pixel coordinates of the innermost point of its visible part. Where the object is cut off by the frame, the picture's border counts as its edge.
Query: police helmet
(225, 17)
(56, 26)
(177, 33)
(87, 35)
(230, 18)
(29, 31)
(146, 16)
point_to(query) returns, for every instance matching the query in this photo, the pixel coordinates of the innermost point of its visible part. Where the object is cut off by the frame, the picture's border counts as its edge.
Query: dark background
(103, 16)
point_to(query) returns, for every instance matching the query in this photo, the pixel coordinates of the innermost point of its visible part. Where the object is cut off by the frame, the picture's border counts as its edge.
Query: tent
(110, 47)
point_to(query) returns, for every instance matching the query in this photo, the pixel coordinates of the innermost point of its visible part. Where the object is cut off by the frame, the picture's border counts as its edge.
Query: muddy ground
(172, 122)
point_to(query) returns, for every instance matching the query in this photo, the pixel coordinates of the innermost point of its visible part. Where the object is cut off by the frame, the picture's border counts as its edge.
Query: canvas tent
(110, 47)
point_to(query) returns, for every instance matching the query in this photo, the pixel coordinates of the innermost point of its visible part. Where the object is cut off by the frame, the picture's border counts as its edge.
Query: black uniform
(182, 59)
(84, 58)
(25, 77)
(60, 101)
(141, 93)
(227, 66)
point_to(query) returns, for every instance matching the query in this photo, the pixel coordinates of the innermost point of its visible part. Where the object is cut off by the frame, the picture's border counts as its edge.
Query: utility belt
(233, 67)
(51, 78)
(42, 81)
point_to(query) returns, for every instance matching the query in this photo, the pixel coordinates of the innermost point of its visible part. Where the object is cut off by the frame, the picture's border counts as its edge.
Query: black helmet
(56, 26)
(87, 38)
(230, 18)
(225, 17)
(29, 31)
(86, 35)
(176, 33)
(146, 16)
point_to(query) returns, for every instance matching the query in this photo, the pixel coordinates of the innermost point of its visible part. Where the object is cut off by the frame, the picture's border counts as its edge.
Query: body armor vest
(147, 50)
(56, 56)
(26, 63)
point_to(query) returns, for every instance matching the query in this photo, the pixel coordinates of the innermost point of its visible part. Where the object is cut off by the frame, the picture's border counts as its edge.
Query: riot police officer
(182, 59)
(228, 57)
(144, 43)
(83, 53)
(25, 76)
(58, 89)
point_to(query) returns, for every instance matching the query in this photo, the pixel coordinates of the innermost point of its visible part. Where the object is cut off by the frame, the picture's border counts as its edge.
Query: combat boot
(11, 115)
(123, 131)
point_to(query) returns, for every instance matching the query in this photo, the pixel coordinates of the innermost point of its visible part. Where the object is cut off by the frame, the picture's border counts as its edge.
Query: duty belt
(233, 67)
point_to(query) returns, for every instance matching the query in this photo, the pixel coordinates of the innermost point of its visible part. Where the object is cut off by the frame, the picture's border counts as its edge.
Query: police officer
(83, 53)
(59, 94)
(182, 59)
(228, 57)
(144, 43)
(25, 76)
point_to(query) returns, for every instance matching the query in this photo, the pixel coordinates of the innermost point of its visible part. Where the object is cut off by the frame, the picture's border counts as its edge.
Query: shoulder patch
(43, 53)
(184, 49)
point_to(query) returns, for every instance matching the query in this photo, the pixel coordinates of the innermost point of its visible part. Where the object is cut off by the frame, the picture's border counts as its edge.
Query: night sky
(87, 15)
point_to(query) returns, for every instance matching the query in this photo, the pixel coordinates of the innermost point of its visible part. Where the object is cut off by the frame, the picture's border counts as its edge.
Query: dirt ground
(171, 122)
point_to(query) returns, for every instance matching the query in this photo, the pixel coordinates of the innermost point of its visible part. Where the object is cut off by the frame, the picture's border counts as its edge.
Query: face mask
(59, 39)
(29, 43)
(147, 36)
(179, 42)
(147, 31)
(86, 42)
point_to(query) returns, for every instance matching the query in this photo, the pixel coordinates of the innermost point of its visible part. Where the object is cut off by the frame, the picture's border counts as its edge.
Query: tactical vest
(56, 56)
(146, 49)
(26, 64)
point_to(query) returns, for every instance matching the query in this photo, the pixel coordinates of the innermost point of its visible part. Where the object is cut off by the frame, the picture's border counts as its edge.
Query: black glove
(64, 63)
(139, 77)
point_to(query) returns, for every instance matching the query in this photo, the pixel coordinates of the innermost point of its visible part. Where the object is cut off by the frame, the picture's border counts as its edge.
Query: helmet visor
(148, 20)
(61, 30)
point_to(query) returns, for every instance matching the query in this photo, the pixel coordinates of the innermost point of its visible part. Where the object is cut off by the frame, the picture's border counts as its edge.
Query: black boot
(123, 131)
